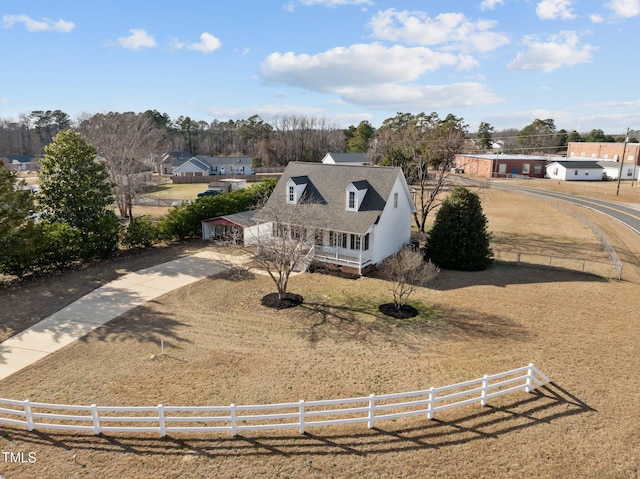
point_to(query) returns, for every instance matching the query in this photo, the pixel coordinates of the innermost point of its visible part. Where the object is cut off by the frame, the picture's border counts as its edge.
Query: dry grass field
(222, 347)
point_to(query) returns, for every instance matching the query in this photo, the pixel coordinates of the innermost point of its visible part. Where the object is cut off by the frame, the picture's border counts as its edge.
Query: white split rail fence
(299, 415)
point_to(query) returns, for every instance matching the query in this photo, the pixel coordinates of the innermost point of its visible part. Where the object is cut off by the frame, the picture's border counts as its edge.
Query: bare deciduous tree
(424, 146)
(406, 270)
(285, 241)
(124, 140)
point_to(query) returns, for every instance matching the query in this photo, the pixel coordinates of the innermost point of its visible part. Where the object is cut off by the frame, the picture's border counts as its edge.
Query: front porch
(356, 261)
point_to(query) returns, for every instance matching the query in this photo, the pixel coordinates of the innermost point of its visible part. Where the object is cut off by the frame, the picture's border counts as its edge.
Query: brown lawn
(222, 347)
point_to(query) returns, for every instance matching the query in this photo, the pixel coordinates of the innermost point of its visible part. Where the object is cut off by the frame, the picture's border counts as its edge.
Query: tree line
(73, 220)
(275, 142)
(284, 138)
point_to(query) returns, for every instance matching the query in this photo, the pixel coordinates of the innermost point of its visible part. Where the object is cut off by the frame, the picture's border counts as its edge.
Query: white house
(354, 159)
(575, 170)
(588, 170)
(364, 213)
(202, 165)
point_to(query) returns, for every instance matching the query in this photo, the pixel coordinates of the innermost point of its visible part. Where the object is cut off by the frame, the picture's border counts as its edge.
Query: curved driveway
(106, 303)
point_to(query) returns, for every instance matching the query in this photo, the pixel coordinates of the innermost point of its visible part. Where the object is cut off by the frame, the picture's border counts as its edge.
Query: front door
(502, 168)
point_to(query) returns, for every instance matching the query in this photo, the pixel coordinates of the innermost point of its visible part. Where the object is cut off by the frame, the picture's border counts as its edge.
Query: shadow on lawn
(542, 407)
(502, 275)
(143, 324)
(358, 319)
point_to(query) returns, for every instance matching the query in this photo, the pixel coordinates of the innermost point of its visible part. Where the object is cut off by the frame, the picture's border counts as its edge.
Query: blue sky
(506, 62)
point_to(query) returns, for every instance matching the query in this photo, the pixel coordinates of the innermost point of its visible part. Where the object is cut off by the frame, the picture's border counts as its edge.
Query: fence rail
(299, 415)
(604, 241)
(598, 268)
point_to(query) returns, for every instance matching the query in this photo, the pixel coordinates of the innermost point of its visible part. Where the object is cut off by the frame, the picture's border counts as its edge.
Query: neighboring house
(202, 165)
(21, 162)
(575, 171)
(239, 228)
(501, 165)
(588, 170)
(361, 214)
(354, 159)
(172, 160)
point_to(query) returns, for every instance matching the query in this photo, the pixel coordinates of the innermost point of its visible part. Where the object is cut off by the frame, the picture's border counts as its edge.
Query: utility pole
(624, 150)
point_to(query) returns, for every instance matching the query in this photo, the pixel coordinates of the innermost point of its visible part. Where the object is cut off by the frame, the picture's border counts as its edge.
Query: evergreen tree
(75, 189)
(14, 201)
(459, 238)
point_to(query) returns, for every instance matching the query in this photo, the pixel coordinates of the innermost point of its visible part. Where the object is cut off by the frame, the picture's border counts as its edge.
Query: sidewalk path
(104, 304)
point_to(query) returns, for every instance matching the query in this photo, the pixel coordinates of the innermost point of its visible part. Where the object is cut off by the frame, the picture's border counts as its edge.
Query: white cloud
(4, 101)
(44, 25)
(334, 3)
(490, 4)
(263, 110)
(452, 31)
(635, 104)
(208, 43)
(624, 8)
(360, 64)
(559, 51)
(555, 10)
(176, 44)
(138, 39)
(420, 97)
(595, 18)
(377, 76)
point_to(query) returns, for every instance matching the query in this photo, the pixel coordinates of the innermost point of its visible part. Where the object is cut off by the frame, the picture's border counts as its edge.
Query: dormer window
(295, 187)
(356, 192)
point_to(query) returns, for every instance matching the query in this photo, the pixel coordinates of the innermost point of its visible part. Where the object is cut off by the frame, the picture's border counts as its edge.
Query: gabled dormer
(295, 187)
(355, 193)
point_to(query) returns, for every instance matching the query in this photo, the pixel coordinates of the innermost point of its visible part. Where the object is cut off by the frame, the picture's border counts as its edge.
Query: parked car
(208, 193)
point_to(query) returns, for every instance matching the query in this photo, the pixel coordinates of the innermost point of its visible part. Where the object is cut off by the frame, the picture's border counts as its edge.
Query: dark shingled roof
(578, 164)
(325, 194)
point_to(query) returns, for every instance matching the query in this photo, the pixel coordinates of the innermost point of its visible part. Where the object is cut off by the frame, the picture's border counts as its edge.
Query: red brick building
(501, 165)
(603, 151)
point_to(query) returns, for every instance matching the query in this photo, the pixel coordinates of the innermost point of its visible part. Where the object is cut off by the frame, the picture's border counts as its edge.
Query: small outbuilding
(238, 228)
(575, 170)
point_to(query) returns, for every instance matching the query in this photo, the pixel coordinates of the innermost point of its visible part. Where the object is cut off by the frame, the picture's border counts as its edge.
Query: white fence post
(234, 421)
(483, 394)
(372, 410)
(529, 378)
(96, 419)
(163, 430)
(301, 416)
(27, 414)
(533, 378)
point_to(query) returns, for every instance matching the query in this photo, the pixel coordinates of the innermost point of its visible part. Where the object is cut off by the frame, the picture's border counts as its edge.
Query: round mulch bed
(289, 300)
(405, 311)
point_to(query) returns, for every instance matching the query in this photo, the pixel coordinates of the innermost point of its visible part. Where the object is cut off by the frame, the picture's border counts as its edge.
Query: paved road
(628, 215)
